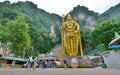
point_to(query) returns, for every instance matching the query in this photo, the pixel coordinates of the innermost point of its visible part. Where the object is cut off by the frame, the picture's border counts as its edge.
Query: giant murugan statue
(71, 39)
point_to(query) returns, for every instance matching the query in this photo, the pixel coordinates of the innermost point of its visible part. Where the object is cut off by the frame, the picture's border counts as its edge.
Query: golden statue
(71, 39)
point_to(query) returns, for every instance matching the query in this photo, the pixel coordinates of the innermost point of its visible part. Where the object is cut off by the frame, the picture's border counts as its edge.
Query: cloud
(61, 6)
(64, 6)
(99, 6)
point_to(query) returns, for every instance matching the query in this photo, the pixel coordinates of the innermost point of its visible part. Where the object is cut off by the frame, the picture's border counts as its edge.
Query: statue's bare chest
(70, 25)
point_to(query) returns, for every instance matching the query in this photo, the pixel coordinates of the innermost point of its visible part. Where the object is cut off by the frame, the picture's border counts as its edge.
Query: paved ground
(24, 71)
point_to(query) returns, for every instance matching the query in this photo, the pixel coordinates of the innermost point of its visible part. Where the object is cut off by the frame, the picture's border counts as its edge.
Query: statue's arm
(77, 31)
(77, 26)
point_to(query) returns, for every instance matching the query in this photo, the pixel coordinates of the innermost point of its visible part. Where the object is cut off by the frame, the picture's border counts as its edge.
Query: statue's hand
(76, 31)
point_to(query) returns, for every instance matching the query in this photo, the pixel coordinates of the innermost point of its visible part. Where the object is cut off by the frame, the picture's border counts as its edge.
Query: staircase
(57, 51)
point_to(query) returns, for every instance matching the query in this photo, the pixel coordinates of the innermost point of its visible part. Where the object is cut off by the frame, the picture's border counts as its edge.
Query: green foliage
(85, 66)
(98, 49)
(86, 41)
(4, 33)
(103, 65)
(9, 11)
(31, 29)
(104, 32)
(60, 66)
(79, 66)
(39, 26)
(40, 39)
(19, 35)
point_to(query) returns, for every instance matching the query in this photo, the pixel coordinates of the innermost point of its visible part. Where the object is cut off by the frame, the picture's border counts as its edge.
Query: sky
(64, 6)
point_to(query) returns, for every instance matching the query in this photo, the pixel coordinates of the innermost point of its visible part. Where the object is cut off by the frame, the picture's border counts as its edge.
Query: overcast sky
(64, 6)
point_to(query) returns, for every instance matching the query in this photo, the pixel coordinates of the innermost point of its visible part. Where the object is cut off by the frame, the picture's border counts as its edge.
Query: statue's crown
(69, 17)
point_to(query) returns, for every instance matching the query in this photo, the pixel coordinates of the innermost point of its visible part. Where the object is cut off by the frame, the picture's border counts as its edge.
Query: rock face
(52, 22)
(112, 13)
(81, 14)
(84, 17)
(52, 31)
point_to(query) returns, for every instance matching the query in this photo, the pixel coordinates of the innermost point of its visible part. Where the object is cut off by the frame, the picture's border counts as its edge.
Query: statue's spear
(62, 33)
(63, 16)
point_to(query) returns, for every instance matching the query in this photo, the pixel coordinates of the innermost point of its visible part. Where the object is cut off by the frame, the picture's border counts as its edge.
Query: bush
(79, 66)
(60, 66)
(69, 66)
(85, 66)
(103, 65)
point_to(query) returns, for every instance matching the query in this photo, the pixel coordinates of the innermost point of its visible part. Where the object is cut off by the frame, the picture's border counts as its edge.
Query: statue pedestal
(74, 62)
(77, 60)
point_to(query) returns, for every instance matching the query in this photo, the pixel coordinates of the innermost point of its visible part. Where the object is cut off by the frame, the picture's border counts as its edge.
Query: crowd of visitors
(34, 63)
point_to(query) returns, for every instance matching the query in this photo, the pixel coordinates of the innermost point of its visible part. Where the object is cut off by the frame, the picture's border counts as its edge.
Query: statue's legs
(75, 46)
(71, 47)
(68, 45)
(63, 47)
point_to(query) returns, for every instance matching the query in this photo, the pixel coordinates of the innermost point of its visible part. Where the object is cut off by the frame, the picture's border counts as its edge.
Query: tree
(104, 32)
(19, 35)
(4, 34)
(40, 39)
(86, 41)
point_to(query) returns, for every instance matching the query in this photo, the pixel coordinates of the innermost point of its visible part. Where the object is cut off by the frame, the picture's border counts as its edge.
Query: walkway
(24, 71)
